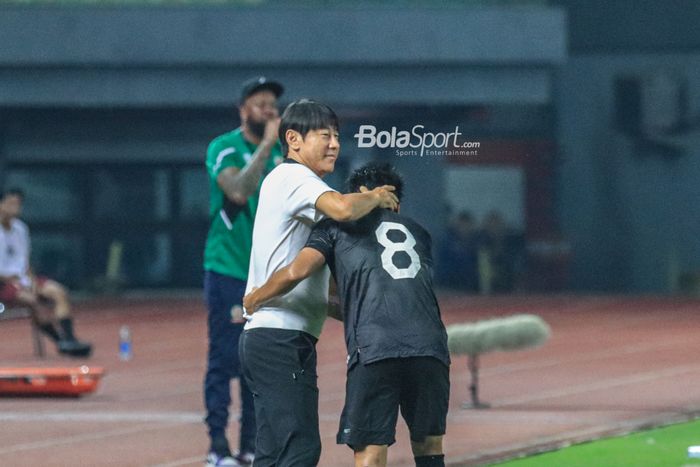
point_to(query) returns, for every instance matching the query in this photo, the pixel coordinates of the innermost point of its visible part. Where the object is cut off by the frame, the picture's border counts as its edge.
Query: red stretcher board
(70, 382)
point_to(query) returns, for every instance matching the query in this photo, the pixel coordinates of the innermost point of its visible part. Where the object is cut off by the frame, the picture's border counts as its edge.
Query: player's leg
(217, 380)
(368, 421)
(424, 402)
(428, 452)
(371, 456)
(280, 368)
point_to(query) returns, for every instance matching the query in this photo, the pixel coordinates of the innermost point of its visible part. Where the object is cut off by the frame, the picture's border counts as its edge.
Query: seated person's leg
(53, 292)
(13, 295)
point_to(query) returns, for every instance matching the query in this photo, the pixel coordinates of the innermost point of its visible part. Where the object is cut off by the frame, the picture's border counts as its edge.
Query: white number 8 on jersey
(391, 247)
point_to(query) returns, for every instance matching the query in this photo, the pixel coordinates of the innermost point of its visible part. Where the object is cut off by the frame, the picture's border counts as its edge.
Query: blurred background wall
(583, 111)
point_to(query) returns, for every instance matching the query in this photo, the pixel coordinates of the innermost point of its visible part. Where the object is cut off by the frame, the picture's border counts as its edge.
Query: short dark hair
(374, 175)
(11, 192)
(305, 115)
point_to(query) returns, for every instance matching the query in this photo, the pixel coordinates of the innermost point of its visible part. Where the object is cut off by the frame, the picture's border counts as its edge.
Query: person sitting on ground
(20, 287)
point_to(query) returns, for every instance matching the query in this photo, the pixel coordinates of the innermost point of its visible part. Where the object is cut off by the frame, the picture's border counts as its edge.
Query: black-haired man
(236, 164)
(396, 341)
(278, 346)
(20, 286)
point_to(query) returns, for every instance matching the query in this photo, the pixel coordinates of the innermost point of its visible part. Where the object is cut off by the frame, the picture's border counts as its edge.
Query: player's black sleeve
(322, 238)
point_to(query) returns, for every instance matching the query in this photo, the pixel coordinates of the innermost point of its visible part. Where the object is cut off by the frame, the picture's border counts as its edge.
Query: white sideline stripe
(583, 357)
(190, 460)
(198, 459)
(606, 384)
(76, 439)
(107, 417)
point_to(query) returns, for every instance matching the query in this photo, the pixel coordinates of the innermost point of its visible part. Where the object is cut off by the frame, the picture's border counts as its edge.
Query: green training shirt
(229, 240)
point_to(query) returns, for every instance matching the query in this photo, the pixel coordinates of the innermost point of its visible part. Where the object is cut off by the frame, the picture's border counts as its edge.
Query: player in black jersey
(396, 341)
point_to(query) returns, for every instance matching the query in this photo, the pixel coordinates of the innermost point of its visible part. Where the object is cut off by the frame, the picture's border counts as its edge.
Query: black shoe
(74, 348)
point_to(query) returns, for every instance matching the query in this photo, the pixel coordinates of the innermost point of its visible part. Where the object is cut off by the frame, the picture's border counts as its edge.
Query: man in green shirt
(236, 164)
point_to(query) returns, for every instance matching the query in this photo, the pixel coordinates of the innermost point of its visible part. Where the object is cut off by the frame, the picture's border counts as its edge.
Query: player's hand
(387, 198)
(271, 133)
(249, 303)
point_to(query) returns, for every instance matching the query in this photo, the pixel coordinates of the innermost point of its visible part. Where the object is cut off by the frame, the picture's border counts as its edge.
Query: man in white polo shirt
(278, 346)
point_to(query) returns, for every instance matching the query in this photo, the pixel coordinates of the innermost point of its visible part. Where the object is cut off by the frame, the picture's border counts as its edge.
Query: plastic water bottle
(125, 351)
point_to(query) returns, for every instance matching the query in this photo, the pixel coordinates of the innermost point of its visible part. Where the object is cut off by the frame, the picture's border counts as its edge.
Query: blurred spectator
(457, 254)
(500, 255)
(19, 286)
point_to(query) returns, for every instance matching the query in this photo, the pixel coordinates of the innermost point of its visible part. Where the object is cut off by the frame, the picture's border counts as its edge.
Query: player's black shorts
(419, 386)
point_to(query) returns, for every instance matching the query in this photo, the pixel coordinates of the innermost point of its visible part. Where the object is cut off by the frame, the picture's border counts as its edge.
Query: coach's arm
(353, 206)
(308, 261)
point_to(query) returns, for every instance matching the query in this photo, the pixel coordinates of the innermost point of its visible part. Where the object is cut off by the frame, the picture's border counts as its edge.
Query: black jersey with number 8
(383, 267)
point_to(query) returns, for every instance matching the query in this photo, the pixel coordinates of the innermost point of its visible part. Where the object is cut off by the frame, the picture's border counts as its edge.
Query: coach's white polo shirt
(286, 213)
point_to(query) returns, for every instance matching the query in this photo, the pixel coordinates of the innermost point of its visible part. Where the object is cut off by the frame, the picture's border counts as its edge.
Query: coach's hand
(249, 303)
(386, 197)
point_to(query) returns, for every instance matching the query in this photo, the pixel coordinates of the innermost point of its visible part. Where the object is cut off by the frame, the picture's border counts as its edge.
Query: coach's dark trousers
(222, 293)
(280, 366)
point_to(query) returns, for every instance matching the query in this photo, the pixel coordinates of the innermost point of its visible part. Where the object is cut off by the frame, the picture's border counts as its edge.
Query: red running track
(613, 364)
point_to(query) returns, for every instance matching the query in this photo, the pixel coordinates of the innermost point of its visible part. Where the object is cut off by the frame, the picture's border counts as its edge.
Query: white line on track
(190, 460)
(77, 438)
(585, 356)
(106, 417)
(597, 386)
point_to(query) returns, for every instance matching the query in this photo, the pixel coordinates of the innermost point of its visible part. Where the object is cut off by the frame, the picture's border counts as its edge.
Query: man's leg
(56, 293)
(368, 421)
(217, 381)
(371, 456)
(248, 425)
(232, 296)
(280, 368)
(51, 291)
(14, 295)
(428, 452)
(28, 299)
(424, 401)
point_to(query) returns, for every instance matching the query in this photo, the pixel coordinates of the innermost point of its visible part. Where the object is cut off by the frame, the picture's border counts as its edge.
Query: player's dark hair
(373, 175)
(11, 192)
(305, 115)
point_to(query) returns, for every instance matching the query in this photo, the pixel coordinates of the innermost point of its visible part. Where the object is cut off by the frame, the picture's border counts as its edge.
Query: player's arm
(308, 261)
(238, 184)
(353, 206)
